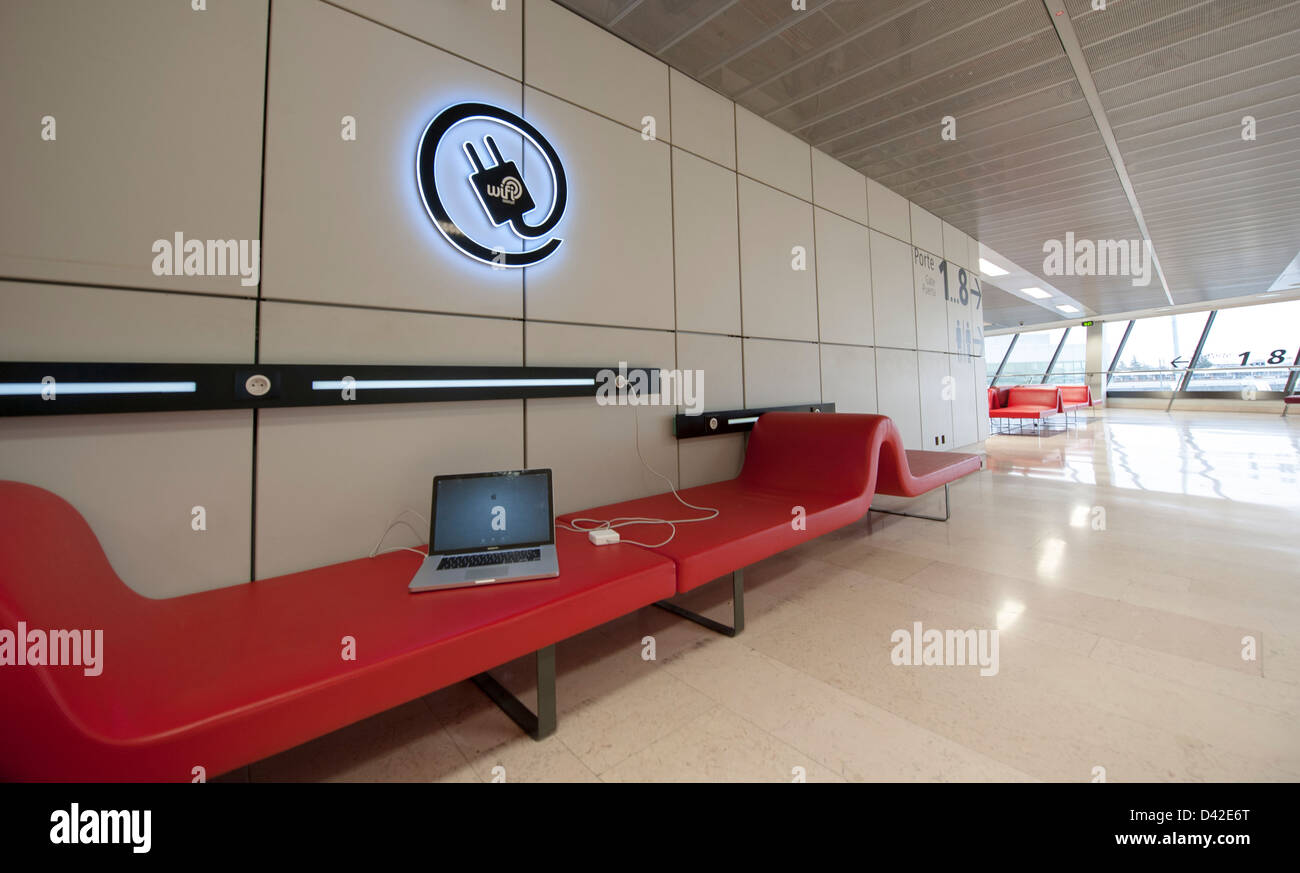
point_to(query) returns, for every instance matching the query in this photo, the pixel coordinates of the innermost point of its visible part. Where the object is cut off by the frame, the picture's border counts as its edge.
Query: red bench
(1036, 403)
(1074, 398)
(219, 679)
(830, 465)
(1289, 401)
(222, 678)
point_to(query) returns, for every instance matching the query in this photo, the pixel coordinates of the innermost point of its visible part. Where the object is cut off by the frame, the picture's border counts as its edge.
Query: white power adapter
(603, 536)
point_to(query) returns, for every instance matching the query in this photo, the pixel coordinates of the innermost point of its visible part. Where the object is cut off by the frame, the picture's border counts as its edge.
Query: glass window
(1072, 364)
(1157, 352)
(995, 348)
(1249, 347)
(1029, 359)
(1111, 333)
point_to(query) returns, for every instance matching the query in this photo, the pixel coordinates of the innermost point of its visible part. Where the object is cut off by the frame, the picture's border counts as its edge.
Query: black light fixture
(43, 388)
(734, 420)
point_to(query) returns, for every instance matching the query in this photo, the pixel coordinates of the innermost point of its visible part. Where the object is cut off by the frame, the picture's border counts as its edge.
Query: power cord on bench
(400, 521)
(624, 521)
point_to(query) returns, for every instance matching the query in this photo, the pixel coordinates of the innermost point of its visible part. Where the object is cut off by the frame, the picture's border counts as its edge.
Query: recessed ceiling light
(1036, 292)
(988, 268)
(1066, 307)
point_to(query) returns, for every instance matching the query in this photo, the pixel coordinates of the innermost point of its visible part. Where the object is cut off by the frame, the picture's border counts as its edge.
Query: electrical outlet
(257, 385)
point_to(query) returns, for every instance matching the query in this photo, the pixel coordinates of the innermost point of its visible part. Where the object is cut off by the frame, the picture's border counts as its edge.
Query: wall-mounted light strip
(21, 389)
(394, 384)
(734, 420)
(70, 388)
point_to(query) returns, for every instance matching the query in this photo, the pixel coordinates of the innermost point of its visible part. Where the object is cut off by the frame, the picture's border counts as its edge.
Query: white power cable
(400, 521)
(624, 521)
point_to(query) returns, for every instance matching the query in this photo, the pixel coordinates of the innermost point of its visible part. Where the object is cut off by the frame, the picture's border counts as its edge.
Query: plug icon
(500, 188)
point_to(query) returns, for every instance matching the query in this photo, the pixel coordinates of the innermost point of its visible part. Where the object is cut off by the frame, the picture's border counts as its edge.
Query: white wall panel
(489, 33)
(706, 236)
(781, 373)
(889, 212)
(158, 124)
(704, 122)
(616, 263)
(330, 479)
(927, 230)
(777, 300)
(839, 188)
(898, 392)
(343, 221)
(849, 378)
(710, 459)
(843, 280)
(936, 401)
(893, 294)
(956, 245)
(592, 448)
(767, 153)
(137, 479)
(69, 323)
(577, 61)
(964, 428)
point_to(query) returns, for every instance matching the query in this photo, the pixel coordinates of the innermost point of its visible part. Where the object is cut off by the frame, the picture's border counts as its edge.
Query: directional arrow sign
(1176, 361)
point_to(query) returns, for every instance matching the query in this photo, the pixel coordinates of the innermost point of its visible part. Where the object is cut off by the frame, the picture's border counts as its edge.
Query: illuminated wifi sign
(496, 182)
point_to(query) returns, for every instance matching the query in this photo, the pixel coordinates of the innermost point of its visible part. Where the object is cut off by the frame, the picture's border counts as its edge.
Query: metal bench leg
(737, 609)
(541, 724)
(947, 512)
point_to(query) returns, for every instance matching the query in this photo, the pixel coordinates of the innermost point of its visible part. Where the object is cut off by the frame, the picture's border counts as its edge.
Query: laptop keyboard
(488, 559)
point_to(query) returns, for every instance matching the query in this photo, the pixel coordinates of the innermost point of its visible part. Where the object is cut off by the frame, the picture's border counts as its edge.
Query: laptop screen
(481, 511)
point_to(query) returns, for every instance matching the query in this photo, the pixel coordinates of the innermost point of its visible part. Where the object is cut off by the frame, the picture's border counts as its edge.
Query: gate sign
(449, 166)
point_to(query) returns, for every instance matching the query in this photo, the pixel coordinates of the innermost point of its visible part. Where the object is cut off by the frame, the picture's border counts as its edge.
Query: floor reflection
(1244, 457)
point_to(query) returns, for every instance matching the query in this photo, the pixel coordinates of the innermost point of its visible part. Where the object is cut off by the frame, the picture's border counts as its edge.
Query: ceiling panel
(869, 83)
(1176, 79)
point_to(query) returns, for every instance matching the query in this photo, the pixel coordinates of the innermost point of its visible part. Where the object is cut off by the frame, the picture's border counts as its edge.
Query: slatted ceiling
(655, 25)
(868, 81)
(908, 49)
(1051, 182)
(1175, 82)
(602, 11)
(870, 135)
(1263, 37)
(894, 95)
(1168, 33)
(795, 42)
(938, 166)
(1278, 114)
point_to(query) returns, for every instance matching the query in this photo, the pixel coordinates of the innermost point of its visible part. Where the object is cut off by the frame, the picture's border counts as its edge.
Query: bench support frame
(541, 724)
(947, 510)
(737, 609)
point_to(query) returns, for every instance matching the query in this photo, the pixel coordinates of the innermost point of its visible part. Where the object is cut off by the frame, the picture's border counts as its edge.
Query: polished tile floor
(1128, 565)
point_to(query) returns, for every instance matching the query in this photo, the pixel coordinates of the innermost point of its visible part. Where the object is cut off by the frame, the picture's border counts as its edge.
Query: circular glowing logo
(496, 181)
